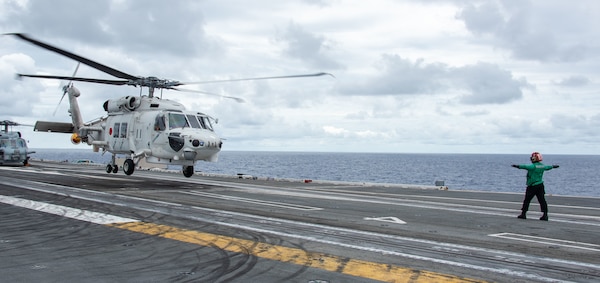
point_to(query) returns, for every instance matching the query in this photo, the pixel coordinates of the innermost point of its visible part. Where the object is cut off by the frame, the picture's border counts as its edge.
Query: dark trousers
(537, 191)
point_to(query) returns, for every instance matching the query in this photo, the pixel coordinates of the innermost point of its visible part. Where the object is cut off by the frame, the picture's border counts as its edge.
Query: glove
(515, 165)
(555, 166)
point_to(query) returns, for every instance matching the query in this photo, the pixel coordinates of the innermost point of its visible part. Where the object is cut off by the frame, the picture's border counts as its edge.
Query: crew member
(535, 184)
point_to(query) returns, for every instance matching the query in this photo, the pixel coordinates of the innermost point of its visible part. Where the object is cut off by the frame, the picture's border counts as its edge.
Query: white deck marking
(74, 213)
(386, 219)
(254, 201)
(548, 241)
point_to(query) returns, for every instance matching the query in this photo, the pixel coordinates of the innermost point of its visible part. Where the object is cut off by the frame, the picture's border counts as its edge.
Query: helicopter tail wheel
(188, 171)
(128, 166)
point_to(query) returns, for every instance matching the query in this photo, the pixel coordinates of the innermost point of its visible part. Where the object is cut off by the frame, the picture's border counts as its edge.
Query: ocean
(578, 175)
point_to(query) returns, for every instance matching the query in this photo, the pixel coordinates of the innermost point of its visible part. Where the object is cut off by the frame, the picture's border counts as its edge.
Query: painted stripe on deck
(365, 269)
(548, 241)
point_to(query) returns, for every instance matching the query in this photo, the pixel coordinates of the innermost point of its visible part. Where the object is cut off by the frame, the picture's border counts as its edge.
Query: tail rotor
(65, 89)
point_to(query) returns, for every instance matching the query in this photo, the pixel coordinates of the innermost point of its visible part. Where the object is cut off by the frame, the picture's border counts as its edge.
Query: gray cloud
(12, 102)
(174, 28)
(580, 126)
(61, 18)
(482, 83)
(397, 75)
(574, 81)
(488, 84)
(528, 29)
(308, 47)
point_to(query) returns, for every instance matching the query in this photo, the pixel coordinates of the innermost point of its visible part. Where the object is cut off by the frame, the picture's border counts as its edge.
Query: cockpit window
(205, 121)
(194, 121)
(201, 121)
(177, 121)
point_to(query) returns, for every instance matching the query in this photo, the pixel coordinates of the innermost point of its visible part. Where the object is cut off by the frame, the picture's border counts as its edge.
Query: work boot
(544, 217)
(522, 215)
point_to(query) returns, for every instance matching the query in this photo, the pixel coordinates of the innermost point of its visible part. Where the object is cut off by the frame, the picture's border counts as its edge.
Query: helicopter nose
(207, 142)
(202, 148)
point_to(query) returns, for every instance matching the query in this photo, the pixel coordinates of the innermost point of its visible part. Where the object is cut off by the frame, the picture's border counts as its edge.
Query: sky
(437, 76)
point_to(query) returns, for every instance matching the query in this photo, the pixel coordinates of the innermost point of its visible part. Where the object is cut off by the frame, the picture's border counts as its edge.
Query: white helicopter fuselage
(159, 130)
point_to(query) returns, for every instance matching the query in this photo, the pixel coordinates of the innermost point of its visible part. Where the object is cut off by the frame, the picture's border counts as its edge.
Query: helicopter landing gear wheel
(115, 169)
(128, 166)
(109, 168)
(188, 171)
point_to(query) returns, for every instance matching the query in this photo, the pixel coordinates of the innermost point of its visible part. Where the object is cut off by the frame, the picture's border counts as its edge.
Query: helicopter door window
(194, 121)
(123, 130)
(116, 130)
(159, 123)
(177, 121)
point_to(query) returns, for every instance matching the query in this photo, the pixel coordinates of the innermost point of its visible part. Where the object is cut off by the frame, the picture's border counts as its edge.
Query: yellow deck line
(360, 268)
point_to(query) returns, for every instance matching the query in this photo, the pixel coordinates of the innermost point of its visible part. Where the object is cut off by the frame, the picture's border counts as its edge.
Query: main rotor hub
(154, 82)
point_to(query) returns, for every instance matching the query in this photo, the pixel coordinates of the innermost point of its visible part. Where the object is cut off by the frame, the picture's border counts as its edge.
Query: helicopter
(161, 131)
(13, 148)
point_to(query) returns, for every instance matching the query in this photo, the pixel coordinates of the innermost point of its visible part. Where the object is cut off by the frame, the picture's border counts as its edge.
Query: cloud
(173, 27)
(158, 27)
(397, 76)
(528, 30)
(576, 127)
(12, 100)
(482, 83)
(308, 47)
(574, 81)
(488, 84)
(60, 18)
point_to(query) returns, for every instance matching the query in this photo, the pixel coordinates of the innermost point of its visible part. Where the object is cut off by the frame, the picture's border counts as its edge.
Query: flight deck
(74, 222)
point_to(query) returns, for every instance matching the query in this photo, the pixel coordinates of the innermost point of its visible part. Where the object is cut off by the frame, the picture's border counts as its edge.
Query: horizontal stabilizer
(53, 127)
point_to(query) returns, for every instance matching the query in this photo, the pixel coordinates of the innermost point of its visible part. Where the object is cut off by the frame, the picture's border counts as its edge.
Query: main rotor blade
(237, 99)
(76, 69)
(260, 78)
(75, 57)
(61, 99)
(88, 80)
(11, 123)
